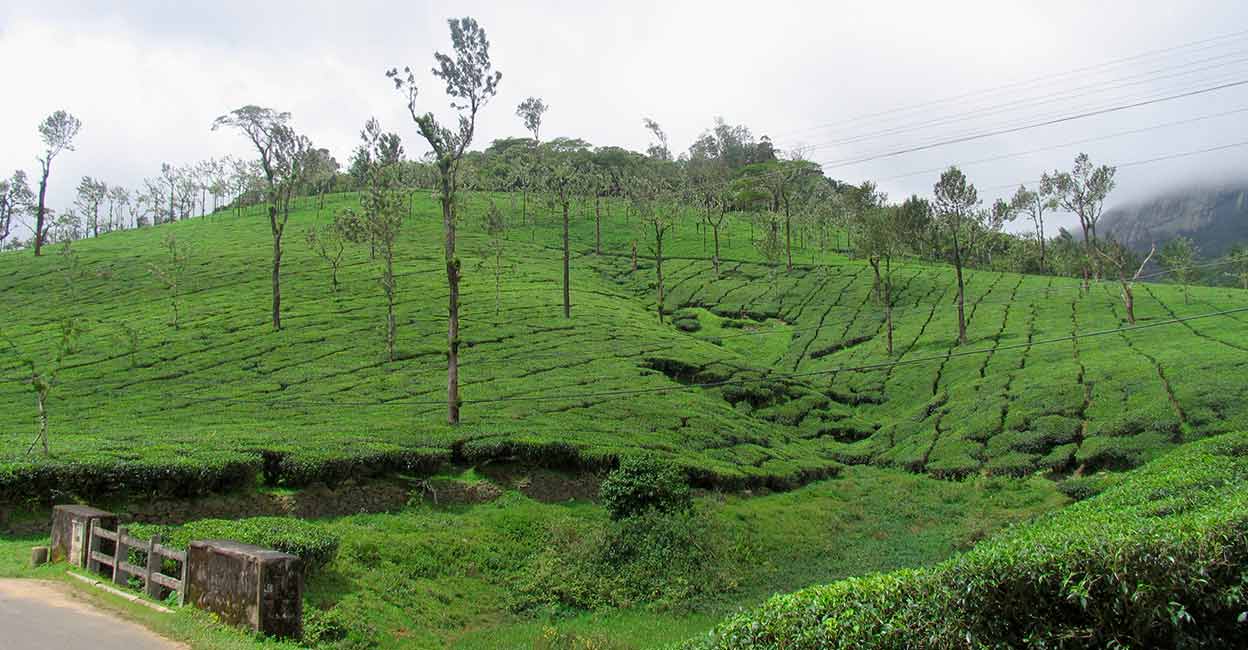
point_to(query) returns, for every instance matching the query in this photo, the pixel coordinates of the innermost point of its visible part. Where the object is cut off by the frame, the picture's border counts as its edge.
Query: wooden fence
(120, 568)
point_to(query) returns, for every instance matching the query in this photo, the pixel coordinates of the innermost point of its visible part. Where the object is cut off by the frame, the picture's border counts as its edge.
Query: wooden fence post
(93, 565)
(186, 575)
(153, 566)
(121, 554)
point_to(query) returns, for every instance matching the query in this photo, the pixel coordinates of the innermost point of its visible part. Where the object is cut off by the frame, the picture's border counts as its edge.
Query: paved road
(39, 615)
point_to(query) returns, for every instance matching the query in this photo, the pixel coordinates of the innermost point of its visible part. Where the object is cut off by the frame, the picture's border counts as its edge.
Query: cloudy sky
(843, 81)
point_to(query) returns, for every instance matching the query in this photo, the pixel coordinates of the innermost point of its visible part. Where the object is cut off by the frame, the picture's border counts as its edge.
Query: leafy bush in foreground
(1160, 559)
(311, 542)
(641, 484)
(661, 560)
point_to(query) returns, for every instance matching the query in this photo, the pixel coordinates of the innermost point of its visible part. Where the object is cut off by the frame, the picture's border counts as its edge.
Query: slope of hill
(784, 380)
(1215, 218)
(1155, 561)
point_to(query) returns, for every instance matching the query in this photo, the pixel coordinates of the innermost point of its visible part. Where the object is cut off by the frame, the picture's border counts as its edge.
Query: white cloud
(148, 77)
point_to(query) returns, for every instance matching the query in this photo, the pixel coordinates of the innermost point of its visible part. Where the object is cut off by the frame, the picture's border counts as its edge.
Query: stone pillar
(247, 585)
(70, 524)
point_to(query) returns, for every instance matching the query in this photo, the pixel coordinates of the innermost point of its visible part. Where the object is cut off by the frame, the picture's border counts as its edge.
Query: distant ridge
(1215, 217)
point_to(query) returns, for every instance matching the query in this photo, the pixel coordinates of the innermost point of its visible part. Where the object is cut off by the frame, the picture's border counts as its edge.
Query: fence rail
(121, 570)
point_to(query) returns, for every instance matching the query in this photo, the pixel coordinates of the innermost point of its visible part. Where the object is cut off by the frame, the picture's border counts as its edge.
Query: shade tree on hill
(1126, 266)
(43, 373)
(16, 199)
(1237, 261)
(379, 219)
(170, 271)
(1034, 204)
(962, 224)
(57, 131)
(91, 196)
(283, 160)
(1178, 258)
(471, 82)
(1082, 192)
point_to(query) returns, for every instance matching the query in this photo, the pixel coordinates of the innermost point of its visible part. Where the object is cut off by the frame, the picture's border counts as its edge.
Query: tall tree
(1178, 257)
(659, 207)
(658, 150)
(15, 199)
(91, 193)
(564, 179)
(44, 373)
(1237, 258)
(283, 156)
(382, 206)
(963, 224)
(530, 111)
(1121, 260)
(1034, 205)
(880, 236)
(57, 131)
(171, 270)
(169, 174)
(470, 83)
(1082, 192)
(118, 202)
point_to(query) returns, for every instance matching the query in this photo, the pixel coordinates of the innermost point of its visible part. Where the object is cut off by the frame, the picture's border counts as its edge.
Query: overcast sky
(845, 80)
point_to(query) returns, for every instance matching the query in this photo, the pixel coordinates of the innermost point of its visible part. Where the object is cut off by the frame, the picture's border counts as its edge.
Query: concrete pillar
(70, 524)
(247, 585)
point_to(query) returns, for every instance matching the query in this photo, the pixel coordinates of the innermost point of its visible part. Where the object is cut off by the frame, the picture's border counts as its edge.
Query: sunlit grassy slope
(224, 388)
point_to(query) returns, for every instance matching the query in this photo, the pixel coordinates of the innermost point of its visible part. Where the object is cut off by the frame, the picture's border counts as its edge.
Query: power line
(1024, 82)
(1031, 102)
(1026, 127)
(1072, 143)
(1135, 163)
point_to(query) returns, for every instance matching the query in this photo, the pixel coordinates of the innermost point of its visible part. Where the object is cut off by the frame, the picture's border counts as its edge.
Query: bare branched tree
(58, 131)
(283, 157)
(470, 83)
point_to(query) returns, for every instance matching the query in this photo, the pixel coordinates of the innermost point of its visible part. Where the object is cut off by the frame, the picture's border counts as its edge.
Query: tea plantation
(222, 401)
(816, 455)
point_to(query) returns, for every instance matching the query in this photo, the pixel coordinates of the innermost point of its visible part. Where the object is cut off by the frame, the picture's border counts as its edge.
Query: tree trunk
(277, 268)
(597, 225)
(452, 283)
(658, 270)
(391, 325)
(1128, 299)
(41, 397)
(715, 256)
(41, 213)
(1042, 243)
(567, 256)
(961, 300)
(888, 313)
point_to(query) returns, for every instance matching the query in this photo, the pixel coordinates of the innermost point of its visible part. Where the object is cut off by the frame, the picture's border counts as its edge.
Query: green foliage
(664, 560)
(643, 484)
(314, 545)
(1156, 560)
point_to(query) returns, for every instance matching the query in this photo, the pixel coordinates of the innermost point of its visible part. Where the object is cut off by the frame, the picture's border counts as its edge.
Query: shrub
(310, 541)
(644, 483)
(661, 560)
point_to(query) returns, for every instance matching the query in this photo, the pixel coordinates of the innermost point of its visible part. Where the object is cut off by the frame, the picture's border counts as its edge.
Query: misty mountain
(1214, 217)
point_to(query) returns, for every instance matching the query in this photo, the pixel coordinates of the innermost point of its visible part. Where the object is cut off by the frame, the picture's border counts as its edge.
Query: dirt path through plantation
(36, 614)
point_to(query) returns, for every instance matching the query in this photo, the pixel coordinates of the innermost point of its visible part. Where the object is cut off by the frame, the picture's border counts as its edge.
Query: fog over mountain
(1215, 216)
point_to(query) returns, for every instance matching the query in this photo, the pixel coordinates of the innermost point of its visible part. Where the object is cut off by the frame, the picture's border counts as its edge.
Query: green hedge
(333, 467)
(1159, 559)
(310, 541)
(40, 482)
